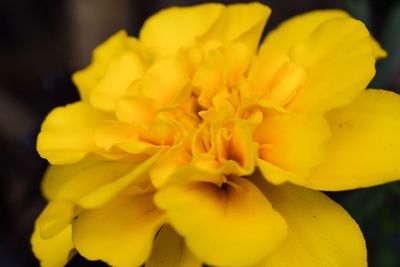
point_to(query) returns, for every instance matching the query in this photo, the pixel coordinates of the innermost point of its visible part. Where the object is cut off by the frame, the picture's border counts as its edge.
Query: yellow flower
(193, 144)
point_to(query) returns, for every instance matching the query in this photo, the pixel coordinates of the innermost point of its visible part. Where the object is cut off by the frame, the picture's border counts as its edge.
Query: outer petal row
(68, 133)
(241, 225)
(365, 146)
(120, 233)
(54, 251)
(230, 226)
(170, 250)
(336, 51)
(179, 27)
(339, 60)
(320, 232)
(115, 50)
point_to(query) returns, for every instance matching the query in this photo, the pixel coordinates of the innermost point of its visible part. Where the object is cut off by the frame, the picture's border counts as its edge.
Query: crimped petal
(120, 233)
(54, 218)
(365, 146)
(173, 160)
(176, 27)
(232, 225)
(291, 145)
(340, 62)
(164, 83)
(114, 46)
(298, 28)
(122, 70)
(209, 25)
(137, 178)
(236, 146)
(243, 22)
(170, 250)
(67, 134)
(55, 251)
(274, 77)
(74, 181)
(135, 109)
(321, 233)
(336, 48)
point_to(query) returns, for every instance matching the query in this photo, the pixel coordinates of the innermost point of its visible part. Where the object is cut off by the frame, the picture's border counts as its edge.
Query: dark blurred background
(43, 41)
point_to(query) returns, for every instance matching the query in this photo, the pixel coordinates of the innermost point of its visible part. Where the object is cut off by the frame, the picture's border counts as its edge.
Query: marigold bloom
(193, 144)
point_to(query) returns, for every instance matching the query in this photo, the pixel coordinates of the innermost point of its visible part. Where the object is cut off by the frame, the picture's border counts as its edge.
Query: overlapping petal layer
(365, 145)
(170, 250)
(121, 232)
(67, 134)
(116, 46)
(53, 251)
(236, 219)
(319, 230)
(208, 24)
(291, 143)
(329, 57)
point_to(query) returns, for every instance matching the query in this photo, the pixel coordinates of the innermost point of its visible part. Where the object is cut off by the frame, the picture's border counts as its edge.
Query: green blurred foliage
(376, 210)
(388, 70)
(360, 9)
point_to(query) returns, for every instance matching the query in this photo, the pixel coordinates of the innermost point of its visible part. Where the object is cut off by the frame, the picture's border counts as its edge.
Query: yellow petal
(234, 225)
(378, 50)
(321, 233)
(170, 251)
(67, 134)
(54, 218)
(238, 146)
(164, 82)
(111, 133)
(74, 181)
(277, 175)
(168, 164)
(122, 70)
(339, 60)
(274, 77)
(131, 109)
(120, 233)
(87, 78)
(140, 148)
(208, 80)
(54, 251)
(298, 28)
(238, 59)
(242, 23)
(137, 178)
(177, 27)
(365, 146)
(294, 143)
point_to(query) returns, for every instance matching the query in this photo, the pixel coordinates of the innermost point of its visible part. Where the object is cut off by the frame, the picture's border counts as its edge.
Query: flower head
(193, 144)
